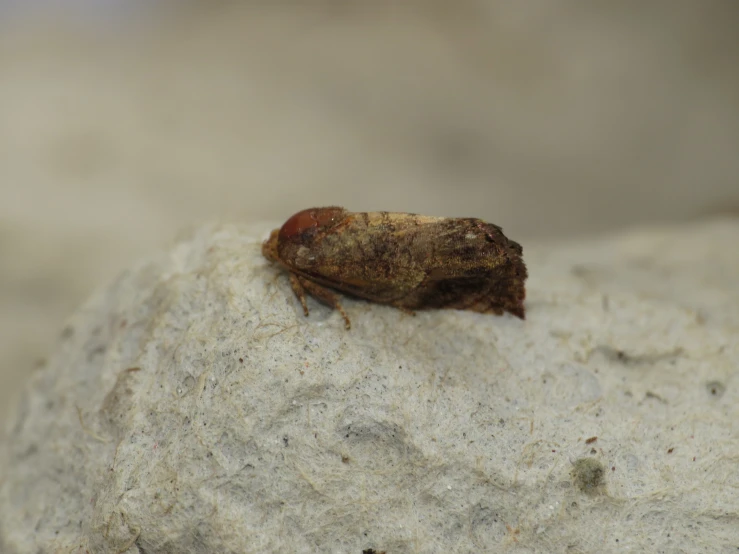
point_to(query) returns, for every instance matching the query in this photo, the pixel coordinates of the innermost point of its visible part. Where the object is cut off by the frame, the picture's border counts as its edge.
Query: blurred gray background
(121, 122)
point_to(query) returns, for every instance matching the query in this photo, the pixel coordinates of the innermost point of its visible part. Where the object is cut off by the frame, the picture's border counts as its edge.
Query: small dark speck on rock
(716, 388)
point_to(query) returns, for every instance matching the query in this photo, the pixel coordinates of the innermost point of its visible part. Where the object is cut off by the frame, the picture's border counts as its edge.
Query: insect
(412, 262)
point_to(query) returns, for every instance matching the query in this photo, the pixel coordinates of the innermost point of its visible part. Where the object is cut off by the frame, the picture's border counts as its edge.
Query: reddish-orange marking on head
(310, 219)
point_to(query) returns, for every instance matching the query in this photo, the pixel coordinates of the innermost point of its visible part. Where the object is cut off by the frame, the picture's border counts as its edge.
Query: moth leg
(299, 291)
(321, 293)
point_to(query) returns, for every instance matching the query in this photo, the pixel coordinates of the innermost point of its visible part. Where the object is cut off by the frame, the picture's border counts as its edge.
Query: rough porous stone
(190, 407)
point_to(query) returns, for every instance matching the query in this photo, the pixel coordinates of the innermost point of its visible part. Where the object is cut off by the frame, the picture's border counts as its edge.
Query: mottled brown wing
(374, 256)
(481, 271)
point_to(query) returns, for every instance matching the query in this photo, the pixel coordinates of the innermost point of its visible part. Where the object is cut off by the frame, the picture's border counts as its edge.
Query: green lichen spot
(589, 475)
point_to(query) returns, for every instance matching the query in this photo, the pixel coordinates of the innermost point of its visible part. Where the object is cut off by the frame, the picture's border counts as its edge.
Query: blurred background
(123, 121)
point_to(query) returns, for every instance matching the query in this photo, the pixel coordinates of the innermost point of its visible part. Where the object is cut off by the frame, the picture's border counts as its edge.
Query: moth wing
(381, 292)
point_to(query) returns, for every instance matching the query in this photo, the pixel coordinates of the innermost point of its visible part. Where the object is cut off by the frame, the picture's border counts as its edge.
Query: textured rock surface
(191, 408)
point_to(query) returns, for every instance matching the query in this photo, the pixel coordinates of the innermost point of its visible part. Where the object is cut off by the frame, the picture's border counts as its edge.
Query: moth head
(307, 223)
(269, 246)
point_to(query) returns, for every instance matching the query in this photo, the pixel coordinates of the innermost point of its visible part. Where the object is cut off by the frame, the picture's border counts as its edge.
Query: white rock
(190, 407)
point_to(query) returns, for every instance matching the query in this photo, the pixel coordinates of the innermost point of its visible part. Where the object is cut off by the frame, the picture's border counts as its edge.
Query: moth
(409, 261)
